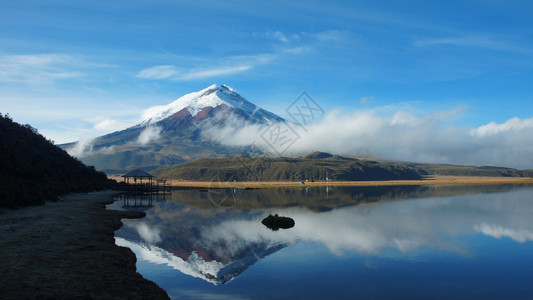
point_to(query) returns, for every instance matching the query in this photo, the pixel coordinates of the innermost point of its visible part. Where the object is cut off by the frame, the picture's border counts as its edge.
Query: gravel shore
(66, 250)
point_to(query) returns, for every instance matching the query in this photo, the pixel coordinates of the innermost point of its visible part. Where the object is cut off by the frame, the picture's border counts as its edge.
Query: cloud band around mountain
(403, 136)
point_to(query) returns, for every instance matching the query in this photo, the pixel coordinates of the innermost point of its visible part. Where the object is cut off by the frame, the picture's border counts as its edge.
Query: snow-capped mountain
(209, 98)
(175, 133)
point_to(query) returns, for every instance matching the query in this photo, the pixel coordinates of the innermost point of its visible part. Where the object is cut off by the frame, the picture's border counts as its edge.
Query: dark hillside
(454, 170)
(33, 170)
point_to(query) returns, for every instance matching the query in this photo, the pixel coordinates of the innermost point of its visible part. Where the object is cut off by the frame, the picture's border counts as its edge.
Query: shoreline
(66, 249)
(428, 180)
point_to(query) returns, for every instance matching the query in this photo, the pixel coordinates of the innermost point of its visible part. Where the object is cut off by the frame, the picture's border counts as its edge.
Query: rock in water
(276, 222)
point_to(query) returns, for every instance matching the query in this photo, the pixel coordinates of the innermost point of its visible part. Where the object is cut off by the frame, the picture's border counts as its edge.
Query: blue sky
(83, 68)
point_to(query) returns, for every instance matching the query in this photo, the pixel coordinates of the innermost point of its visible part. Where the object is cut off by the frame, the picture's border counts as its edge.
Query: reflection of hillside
(326, 198)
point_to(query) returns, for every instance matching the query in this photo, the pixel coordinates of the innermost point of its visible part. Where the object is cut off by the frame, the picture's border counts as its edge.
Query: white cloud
(402, 136)
(85, 146)
(149, 134)
(81, 148)
(493, 128)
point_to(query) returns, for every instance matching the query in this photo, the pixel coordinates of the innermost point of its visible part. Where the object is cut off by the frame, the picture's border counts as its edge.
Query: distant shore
(66, 250)
(428, 180)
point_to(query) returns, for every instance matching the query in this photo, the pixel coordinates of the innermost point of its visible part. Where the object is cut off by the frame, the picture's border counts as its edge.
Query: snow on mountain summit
(211, 96)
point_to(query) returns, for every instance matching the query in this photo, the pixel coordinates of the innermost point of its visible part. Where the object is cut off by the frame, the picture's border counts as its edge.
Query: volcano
(174, 133)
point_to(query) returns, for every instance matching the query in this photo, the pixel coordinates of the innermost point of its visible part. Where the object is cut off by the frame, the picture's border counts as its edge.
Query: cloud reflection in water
(403, 225)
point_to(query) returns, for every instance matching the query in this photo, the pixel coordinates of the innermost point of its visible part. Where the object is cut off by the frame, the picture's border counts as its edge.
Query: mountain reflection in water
(189, 233)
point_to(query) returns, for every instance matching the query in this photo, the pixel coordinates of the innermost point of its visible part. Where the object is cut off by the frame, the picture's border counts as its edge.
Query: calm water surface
(374, 242)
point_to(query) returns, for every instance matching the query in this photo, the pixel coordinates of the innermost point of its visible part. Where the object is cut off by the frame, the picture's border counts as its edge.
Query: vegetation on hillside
(34, 170)
(314, 167)
(455, 170)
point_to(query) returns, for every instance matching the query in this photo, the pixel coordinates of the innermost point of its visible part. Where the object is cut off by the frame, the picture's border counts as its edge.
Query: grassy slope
(315, 166)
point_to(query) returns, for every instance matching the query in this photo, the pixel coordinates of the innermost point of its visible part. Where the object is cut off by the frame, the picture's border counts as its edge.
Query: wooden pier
(143, 183)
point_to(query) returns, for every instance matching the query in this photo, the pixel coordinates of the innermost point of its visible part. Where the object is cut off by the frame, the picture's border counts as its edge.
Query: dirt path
(66, 249)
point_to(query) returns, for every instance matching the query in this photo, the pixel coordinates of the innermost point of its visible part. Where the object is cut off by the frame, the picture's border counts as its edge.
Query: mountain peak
(216, 87)
(219, 89)
(212, 96)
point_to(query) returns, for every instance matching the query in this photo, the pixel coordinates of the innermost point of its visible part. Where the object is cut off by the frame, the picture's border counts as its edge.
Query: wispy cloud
(298, 49)
(208, 73)
(278, 35)
(158, 72)
(41, 68)
(234, 65)
(174, 73)
(329, 35)
(288, 44)
(481, 41)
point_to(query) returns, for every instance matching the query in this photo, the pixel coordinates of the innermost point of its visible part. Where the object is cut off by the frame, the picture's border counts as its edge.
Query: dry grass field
(429, 180)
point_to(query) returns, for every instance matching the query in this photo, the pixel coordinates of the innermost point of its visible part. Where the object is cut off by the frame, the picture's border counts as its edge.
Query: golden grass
(429, 180)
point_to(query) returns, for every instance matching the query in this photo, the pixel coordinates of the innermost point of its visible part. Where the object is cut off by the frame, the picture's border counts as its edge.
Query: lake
(470, 242)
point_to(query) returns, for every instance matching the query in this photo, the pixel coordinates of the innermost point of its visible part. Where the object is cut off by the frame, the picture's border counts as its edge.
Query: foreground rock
(67, 249)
